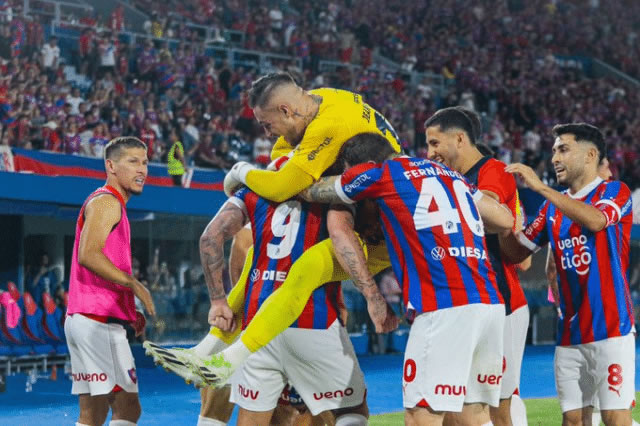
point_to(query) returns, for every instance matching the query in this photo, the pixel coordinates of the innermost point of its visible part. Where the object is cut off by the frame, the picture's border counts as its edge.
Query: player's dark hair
(116, 146)
(485, 150)
(262, 89)
(584, 132)
(457, 118)
(365, 147)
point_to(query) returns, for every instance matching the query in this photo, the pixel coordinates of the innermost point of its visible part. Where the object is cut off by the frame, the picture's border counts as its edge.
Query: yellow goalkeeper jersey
(342, 115)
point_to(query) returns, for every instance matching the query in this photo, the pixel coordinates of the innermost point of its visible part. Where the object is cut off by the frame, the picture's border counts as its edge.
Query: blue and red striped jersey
(592, 266)
(434, 233)
(282, 232)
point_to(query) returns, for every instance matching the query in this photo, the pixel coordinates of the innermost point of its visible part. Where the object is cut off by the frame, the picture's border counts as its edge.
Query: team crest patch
(133, 376)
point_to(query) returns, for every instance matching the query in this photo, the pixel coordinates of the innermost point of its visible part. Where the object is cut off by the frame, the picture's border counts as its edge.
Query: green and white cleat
(174, 360)
(214, 371)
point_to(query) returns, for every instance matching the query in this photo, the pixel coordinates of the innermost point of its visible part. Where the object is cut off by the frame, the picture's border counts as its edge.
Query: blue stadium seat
(52, 321)
(32, 320)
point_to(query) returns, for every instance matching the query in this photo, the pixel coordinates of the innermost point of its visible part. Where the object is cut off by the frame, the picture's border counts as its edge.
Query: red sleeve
(493, 178)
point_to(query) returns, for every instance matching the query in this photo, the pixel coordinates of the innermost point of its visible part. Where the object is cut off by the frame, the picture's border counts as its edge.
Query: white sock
(351, 419)
(81, 424)
(208, 421)
(518, 411)
(488, 424)
(121, 423)
(634, 423)
(209, 345)
(237, 353)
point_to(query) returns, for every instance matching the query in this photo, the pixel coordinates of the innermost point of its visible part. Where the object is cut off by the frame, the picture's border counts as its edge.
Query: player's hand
(139, 324)
(527, 174)
(221, 315)
(236, 177)
(381, 315)
(141, 292)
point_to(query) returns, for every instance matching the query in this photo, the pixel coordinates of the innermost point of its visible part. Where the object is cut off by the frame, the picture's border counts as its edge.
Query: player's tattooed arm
(323, 191)
(228, 222)
(350, 255)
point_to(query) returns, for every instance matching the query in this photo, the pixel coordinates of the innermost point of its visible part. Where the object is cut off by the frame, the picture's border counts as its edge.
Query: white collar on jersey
(587, 189)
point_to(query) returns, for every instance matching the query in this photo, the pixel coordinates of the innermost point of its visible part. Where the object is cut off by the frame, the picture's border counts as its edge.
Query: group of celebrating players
(340, 201)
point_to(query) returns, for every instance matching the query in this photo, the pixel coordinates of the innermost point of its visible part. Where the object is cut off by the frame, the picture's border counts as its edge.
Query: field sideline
(540, 412)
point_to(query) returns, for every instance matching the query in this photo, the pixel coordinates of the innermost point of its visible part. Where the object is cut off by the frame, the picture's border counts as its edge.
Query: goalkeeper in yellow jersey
(314, 124)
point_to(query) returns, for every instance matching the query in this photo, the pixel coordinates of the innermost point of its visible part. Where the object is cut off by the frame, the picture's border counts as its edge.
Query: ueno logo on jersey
(356, 183)
(580, 261)
(489, 379)
(334, 394)
(89, 377)
(270, 275)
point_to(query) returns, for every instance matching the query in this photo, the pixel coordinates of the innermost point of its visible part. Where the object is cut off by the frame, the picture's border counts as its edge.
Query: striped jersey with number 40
(433, 230)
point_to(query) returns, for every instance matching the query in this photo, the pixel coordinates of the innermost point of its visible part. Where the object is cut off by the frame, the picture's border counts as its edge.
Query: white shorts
(453, 357)
(320, 364)
(515, 338)
(595, 374)
(100, 356)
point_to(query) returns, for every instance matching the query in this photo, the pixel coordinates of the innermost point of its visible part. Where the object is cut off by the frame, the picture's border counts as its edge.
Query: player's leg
(93, 409)
(576, 393)
(103, 350)
(614, 360)
(125, 408)
(257, 386)
(483, 386)
(254, 418)
(352, 416)
(579, 417)
(423, 416)
(216, 409)
(515, 336)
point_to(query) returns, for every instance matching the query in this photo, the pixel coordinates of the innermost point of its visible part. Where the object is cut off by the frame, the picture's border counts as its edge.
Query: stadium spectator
(176, 163)
(50, 56)
(45, 280)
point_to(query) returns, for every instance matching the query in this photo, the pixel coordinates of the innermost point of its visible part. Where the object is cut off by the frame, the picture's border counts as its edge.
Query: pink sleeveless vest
(92, 294)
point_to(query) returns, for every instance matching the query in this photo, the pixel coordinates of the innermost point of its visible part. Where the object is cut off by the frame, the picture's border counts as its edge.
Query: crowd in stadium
(511, 76)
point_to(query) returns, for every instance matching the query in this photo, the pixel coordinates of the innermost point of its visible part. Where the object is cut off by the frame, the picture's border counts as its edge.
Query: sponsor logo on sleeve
(348, 189)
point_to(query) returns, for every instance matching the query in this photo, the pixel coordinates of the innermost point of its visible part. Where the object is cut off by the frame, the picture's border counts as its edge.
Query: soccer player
(102, 290)
(315, 124)
(431, 221)
(588, 227)
(315, 355)
(604, 171)
(451, 140)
